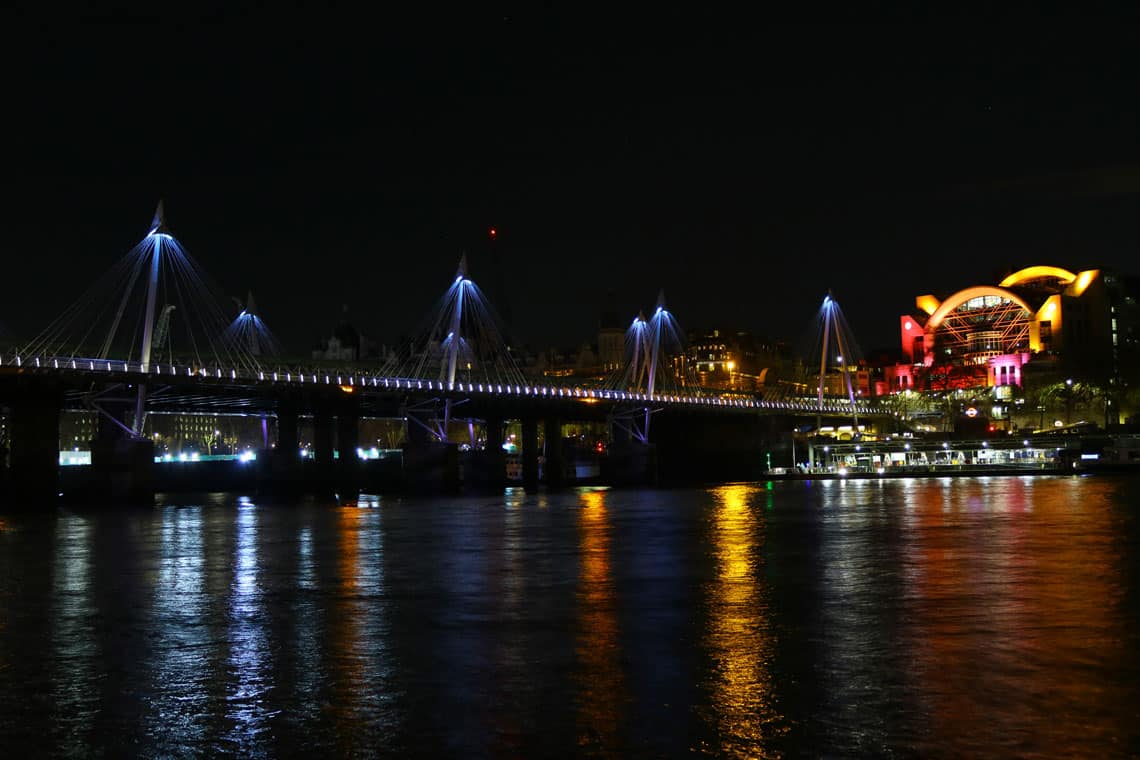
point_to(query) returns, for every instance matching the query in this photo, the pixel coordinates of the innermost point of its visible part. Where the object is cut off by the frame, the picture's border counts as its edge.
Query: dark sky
(746, 169)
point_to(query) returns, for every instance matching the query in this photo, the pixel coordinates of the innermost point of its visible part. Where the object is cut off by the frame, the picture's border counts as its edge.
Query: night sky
(745, 169)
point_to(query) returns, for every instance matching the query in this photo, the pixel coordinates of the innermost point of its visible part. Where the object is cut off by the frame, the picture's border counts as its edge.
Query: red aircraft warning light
(492, 233)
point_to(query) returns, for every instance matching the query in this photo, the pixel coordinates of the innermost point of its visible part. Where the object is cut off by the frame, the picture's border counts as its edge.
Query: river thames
(934, 617)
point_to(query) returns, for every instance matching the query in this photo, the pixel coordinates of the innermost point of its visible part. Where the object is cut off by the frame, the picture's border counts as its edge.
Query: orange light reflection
(739, 638)
(601, 686)
(1012, 583)
(345, 629)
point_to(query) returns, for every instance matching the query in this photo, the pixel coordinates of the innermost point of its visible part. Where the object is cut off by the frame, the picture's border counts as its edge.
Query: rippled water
(987, 616)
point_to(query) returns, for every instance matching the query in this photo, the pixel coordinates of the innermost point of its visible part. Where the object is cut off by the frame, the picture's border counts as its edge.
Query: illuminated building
(76, 430)
(733, 360)
(1037, 318)
(611, 346)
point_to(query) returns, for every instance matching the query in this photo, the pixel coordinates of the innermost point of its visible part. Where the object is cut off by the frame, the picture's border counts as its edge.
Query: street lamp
(1068, 401)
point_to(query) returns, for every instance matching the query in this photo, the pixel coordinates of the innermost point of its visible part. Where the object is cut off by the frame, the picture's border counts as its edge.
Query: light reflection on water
(249, 682)
(942, 617)
(599, 677)
(306, 635)
(73, 636)
(739, 636)
(997, 601)
(179, 711)
(362, 695)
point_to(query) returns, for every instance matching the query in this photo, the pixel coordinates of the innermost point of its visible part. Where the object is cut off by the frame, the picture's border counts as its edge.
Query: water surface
(934, 617)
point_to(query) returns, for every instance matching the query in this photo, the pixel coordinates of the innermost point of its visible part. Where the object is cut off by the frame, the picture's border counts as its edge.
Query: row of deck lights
(103, 365)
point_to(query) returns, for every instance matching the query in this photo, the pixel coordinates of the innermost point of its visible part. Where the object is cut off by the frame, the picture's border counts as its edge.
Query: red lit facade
(985, 335)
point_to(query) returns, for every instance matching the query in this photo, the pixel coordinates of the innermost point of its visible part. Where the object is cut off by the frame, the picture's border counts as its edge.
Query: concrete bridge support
(429, 464)
(630, 462)
(280, 468)
(693, 449)
(491, 465)
(530, 455)
(347, 442)
(555, 475)
(122, 466)
(33, 458)
(288, 438)
(324, 444)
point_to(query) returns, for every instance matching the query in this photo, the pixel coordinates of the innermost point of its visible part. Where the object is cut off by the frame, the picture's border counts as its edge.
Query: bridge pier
(324, 438)
(33, 456)
(692, 449)
(530, 455)
(280, 468)
(491, 464)
(347, 442)
(122, 466)
(555, 475)
(630, 462)
(429, 464)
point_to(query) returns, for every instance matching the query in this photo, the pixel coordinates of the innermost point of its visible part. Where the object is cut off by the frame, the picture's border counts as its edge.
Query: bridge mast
(456, 322)
(157, 232)
(846, 362)
(656, 353)
(828, 304)
(638, 331)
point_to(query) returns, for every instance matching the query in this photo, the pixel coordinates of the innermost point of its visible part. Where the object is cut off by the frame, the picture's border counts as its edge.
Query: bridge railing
(353, 379)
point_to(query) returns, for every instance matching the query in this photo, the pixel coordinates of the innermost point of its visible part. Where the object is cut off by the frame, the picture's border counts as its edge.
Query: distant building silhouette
(347, 343)
(597, 360)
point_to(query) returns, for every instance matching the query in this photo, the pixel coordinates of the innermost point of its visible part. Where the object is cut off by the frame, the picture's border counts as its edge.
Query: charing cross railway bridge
(154, 336)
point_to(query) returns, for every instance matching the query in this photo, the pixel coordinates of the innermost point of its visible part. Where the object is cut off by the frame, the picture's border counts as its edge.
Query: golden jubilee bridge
(155, 337)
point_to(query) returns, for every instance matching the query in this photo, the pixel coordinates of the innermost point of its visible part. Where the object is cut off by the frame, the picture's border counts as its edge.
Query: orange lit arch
(1037, 272)
(962, 296)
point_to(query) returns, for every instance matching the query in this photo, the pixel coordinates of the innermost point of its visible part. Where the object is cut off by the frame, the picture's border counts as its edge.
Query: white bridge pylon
(155, 307)
(835, 328)
(461, 343)
(838, 353)
(652, 345)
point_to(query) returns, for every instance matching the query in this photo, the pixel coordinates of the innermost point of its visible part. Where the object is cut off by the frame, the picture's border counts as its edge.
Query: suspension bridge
(156, 335)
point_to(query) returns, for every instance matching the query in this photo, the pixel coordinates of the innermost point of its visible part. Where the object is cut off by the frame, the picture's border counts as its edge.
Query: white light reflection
(74, 680)
(181, 676)
(307, 632)
(250, 681)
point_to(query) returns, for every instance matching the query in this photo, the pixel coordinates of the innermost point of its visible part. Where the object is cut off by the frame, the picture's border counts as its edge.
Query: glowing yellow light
(730, 365)
(738, 635)
(1084, 279)
(588, 400)
(347, 388)
(1037, 272)
(927, 303)
(600, 679)
(962, 296)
